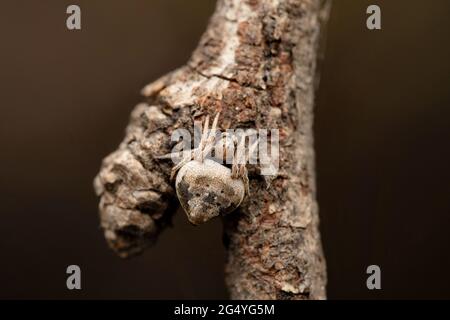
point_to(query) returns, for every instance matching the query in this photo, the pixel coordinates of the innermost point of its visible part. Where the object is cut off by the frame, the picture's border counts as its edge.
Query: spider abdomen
(206, 190)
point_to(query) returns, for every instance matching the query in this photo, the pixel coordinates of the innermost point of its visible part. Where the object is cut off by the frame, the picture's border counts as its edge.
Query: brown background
(382, 129)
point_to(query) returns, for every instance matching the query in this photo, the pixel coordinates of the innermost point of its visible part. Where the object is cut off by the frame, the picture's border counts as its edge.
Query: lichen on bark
(256, 64)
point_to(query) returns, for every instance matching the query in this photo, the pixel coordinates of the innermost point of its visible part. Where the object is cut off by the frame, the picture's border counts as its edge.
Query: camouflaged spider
(207, 188)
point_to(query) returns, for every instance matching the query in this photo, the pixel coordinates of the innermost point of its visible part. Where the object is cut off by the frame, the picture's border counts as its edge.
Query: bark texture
(256, 64)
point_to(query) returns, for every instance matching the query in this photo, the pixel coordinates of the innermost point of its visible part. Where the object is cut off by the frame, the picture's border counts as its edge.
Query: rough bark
(256, 65)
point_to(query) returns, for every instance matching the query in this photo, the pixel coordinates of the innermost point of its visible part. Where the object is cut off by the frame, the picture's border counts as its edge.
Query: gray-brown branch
(256, 65)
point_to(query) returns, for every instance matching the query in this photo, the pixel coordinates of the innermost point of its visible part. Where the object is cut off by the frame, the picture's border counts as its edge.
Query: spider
(205, 187)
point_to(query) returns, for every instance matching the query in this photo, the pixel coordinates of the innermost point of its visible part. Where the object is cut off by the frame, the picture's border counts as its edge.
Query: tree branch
(255, 64)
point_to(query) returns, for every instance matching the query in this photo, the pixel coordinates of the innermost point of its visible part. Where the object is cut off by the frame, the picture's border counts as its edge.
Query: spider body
(206, 190)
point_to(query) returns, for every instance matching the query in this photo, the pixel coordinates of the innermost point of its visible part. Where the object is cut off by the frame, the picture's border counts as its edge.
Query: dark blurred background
(381, 127)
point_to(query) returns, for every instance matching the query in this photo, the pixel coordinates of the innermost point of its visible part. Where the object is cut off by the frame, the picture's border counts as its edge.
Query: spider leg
(238, 157)
(228, 146)
(180, 164)
(246, 181)
(216, 120)
(205, 145)
(211, 139)
(178, 154)
(239, 167)
(198, 153)
(206, 127)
